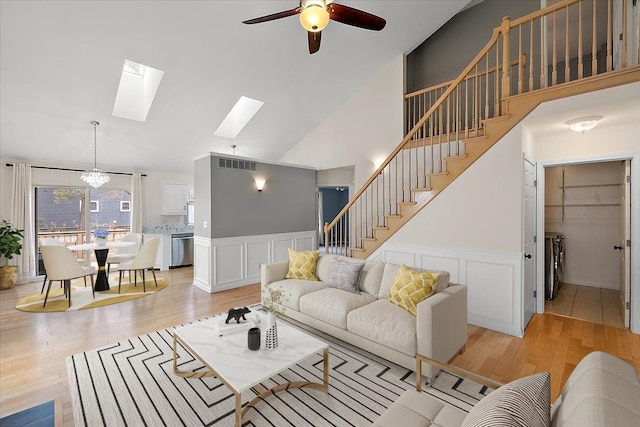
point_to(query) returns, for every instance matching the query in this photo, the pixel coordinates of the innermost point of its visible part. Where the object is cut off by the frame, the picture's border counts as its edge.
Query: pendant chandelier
(94, 177)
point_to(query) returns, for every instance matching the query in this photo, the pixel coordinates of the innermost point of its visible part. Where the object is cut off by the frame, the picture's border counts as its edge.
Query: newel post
(326, 238)
(505, 29)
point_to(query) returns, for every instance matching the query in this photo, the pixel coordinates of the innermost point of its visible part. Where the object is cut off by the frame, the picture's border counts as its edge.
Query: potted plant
(10, 245)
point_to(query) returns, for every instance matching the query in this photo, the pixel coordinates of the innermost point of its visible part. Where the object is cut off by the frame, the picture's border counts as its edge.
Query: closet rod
(75, 170)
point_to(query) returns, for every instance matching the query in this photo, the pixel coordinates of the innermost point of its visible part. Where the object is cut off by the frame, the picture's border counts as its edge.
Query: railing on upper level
(568, 41)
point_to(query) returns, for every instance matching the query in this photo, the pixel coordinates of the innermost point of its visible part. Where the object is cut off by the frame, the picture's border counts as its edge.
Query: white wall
(363, 131)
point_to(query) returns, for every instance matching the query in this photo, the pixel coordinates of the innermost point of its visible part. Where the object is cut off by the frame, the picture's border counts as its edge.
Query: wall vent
(237, 164)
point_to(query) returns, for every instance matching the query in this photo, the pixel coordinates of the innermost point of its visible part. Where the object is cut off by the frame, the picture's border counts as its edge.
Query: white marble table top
(93, 246)
(230, 357)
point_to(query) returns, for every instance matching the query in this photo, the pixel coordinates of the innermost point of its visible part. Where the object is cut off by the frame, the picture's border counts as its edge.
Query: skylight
(238, 117)
(138, 86)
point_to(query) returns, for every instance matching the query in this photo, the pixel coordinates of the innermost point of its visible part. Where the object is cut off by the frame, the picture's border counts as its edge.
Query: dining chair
(145, 260)
(52, 241)
(125, 253)
(61, 264)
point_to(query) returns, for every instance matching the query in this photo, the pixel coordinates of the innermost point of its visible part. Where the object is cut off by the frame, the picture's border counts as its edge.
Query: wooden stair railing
(454, 123)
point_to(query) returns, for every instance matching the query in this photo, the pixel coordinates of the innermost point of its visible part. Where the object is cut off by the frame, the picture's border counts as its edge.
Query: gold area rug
(81, 297)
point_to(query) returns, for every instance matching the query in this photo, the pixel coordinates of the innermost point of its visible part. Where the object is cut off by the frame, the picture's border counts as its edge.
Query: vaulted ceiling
(60, 65)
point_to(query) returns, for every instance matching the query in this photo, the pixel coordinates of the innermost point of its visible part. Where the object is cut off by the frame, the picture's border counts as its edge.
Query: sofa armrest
(441, 325)
(273, 272)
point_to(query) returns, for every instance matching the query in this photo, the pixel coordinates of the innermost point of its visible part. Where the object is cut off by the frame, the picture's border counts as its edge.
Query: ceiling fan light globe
(314, 18)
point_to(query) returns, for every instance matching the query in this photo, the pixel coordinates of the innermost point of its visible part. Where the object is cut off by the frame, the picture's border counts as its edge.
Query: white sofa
(602, 391)
(369, 321)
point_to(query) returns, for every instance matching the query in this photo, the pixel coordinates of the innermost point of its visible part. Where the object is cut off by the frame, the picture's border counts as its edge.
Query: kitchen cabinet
(174, 199)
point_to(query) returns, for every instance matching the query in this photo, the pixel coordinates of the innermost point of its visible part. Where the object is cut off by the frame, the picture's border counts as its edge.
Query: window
(125, 206)
(94, 206)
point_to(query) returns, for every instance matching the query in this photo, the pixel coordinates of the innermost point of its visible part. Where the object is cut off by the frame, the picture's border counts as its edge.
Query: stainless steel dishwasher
(181, 250)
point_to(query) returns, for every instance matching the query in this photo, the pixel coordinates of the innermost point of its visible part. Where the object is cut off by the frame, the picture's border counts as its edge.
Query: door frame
(635, 227)
(528, 159)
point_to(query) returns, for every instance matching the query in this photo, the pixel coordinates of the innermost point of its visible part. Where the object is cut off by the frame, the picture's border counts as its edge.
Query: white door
(625, 236)
(529, 262)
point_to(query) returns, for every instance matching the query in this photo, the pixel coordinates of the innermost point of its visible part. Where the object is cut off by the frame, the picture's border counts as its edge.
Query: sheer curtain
(22, 218)
(136, 203)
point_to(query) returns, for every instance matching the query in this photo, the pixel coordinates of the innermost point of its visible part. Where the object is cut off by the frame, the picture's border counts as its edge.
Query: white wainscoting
(494, 281)
(232, 262)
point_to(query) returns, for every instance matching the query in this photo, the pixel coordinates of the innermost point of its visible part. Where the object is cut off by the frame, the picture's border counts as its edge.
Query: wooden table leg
(238, 410)
(326, 370)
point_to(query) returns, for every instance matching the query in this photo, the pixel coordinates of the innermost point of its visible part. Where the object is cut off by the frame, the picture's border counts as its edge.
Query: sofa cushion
(344, 275)
(386, 324)
(332, 305)
(323, 267)
(389, 275)
(295, 288)
(414, 408)
(302, 265)
(601, 390)
(410, 287)
(523, 403)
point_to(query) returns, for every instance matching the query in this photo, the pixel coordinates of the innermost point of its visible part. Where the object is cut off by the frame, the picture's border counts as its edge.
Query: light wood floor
(34, 346)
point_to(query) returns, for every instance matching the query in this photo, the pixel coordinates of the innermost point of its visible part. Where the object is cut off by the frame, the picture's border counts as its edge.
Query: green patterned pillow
(302, 265)
(410, 287)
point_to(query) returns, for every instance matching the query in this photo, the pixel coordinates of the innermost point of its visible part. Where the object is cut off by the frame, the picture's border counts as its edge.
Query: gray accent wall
(444, 55)
(234, 207)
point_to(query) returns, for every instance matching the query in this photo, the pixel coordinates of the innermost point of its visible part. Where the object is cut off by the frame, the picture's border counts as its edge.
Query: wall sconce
(583, 124)
(260, 183)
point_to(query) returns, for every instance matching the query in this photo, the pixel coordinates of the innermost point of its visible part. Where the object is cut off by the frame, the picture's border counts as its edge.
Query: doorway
(584, 223)
(331, 201)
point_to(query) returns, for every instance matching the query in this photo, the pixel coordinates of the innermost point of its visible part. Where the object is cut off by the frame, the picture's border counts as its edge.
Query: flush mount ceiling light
(583, 124)
(94, 177)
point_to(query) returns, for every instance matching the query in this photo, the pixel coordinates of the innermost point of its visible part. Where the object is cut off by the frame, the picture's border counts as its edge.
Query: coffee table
(229, 359)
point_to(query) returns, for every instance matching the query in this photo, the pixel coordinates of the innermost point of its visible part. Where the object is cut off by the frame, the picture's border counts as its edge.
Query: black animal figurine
(237, 313)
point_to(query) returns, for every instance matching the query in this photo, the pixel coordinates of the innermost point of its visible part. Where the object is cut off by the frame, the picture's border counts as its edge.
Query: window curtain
(22, 218)
(136, 203)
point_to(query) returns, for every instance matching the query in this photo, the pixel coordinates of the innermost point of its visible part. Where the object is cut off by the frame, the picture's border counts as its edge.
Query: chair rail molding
(231, 262)
(494, 280)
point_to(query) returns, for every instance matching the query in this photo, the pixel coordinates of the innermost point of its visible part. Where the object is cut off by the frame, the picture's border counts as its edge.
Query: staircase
(449, 126)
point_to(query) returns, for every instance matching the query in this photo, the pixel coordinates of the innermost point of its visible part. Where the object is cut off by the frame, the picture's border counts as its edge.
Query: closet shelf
(589, 186)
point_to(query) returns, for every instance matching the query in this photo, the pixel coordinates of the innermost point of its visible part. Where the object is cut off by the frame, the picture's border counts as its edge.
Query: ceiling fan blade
(357, 18)
(274, 16)
(314, 41)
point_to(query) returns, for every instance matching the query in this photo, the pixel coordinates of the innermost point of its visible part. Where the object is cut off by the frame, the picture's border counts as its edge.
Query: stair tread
(460, 157)
(438, 173)
(422, 189)
(357, 249)
(380, 227)
(371, 239)
(393, 216)
(408, 203)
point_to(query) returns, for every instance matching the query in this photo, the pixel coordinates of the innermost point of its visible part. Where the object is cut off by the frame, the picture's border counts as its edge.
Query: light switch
(204, 224)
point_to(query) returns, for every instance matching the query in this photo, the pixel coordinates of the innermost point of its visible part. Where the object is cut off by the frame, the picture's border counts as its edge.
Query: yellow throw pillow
(410, 287)
(302, 265)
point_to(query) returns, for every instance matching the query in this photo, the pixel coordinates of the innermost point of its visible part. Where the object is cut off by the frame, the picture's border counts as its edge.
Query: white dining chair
(52, 241)
(145, 260)
(125, 253)
(61, 264)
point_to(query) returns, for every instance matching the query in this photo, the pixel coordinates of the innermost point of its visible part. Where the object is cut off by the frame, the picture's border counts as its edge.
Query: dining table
(101, 252)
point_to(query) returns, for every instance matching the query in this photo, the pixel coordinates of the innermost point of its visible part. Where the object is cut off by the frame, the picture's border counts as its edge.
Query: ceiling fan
(315, 15)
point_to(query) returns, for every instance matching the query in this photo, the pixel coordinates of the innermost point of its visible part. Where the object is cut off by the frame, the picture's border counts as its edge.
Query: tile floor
(584, 302)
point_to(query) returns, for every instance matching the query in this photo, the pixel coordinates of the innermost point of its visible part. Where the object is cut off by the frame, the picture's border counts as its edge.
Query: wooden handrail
(470, 76)
(542, 12)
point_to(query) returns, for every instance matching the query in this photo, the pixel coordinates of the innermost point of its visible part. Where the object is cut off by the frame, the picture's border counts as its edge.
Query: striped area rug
(132, 383)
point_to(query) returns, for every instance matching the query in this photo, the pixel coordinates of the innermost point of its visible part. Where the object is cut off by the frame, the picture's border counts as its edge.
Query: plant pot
(100, 241)
(8, 276)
